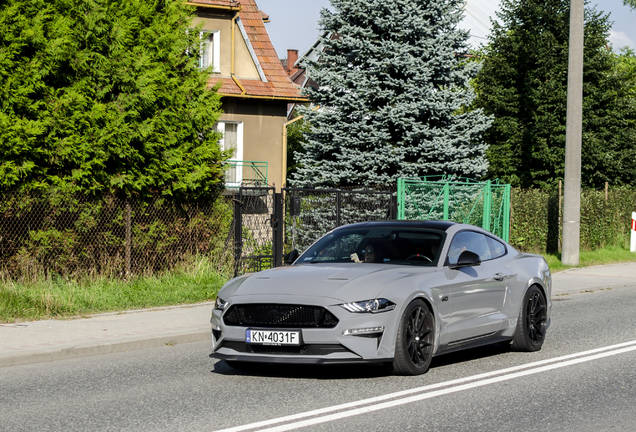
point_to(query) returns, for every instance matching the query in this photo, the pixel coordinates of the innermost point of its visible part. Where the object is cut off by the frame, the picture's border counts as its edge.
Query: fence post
(393, 207)
(446, 199)
(632, 239)
(238, 231)
(487, 207)
(338, 205)
(128, 238)
(507, 212)
(560, 215)
(401, 197)
(278, 228)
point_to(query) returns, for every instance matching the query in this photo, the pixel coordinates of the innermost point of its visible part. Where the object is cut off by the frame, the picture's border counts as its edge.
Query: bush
(536, 220)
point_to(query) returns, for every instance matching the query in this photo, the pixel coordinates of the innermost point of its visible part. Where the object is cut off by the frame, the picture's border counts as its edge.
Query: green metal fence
(246, 173)
(485, 204)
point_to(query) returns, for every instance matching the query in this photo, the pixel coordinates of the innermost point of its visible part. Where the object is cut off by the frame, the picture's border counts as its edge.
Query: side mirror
(466, 259)
(291, 257)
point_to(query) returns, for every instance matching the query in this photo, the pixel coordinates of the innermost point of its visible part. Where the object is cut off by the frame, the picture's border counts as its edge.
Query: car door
(476, 293)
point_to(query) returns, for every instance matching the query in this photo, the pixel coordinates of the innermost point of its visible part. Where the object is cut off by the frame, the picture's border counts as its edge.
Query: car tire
(415, 337)
(532, 321)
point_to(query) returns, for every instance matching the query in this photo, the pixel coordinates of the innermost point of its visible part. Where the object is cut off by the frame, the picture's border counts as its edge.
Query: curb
(25, 358)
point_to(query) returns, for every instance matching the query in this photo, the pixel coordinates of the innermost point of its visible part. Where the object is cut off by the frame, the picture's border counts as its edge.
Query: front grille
(279, 316)
(312, 349)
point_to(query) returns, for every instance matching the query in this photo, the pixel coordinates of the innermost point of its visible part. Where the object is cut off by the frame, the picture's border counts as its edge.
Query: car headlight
(220, 303)
(369, 306)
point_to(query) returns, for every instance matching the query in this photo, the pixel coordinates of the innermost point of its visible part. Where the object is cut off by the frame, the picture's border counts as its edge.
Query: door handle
(499, 276)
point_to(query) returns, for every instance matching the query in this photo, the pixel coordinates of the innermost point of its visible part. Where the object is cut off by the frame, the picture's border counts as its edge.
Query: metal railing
(245, 173)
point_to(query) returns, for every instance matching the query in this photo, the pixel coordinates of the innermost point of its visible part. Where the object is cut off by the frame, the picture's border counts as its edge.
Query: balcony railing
(245, 173)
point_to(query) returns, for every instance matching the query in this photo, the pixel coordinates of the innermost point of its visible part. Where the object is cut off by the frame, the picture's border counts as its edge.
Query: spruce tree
(105, 96)
(523, 83)
(393, 84)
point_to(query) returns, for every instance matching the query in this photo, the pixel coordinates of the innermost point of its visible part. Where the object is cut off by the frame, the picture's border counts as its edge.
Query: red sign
(634, 224)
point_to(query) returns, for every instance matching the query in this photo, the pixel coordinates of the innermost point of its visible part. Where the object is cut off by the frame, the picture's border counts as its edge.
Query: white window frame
(238, 151)
(215, 47)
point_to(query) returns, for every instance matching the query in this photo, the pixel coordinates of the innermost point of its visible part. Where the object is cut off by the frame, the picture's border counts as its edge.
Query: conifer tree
(523, 83)
(393, 83)
(105, 96)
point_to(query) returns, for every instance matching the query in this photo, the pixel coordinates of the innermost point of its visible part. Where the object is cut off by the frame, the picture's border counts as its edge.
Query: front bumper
(295, 360)
(319, 345)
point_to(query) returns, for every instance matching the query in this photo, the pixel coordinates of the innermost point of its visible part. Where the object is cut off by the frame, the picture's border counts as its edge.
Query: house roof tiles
(229, 3)
(278, 84)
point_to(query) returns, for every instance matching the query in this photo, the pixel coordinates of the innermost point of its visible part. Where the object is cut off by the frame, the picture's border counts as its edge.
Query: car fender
(515, 301)
(430, 292)
(545, 285)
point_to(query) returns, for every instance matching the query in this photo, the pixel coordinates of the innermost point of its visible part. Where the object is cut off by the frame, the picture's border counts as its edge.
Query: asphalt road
(179, 388)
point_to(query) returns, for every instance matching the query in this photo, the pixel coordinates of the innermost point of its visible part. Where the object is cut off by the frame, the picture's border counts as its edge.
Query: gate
(310, 213)
(268, 225)
(256, 220)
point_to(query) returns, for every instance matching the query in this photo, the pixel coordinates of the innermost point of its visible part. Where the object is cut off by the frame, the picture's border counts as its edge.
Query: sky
(294, 23)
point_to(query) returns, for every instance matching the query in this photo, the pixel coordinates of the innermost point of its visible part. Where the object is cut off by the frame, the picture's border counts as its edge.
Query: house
(255, 89)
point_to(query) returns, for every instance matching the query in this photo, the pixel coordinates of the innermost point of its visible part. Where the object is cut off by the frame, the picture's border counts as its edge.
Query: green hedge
(535, 224)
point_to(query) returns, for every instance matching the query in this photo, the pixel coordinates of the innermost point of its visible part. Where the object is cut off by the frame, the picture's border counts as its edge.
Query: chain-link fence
(75, 236)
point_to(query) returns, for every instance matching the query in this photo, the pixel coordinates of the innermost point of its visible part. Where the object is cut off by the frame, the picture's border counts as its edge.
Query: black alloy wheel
(414, 344)
(532, 323)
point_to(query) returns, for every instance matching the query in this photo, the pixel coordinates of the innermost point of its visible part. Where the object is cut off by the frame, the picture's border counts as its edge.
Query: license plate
(272, 337)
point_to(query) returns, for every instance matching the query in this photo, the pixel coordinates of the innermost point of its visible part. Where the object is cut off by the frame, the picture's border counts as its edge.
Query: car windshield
(384, 245)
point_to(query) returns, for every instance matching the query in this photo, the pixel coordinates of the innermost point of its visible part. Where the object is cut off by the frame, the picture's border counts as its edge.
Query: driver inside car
(372, 253)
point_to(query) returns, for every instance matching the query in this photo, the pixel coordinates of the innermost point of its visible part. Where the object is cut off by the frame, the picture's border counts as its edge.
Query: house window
(210, 50)
(232, 139)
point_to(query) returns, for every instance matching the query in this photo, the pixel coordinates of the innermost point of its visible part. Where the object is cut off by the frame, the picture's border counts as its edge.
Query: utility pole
(573, 134)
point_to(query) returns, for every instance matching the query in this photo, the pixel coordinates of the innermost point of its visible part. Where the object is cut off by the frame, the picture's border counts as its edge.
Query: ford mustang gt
(395, 292)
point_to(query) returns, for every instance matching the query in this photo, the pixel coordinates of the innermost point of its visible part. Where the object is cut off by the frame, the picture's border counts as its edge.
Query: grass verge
(58, 298)
(608, 255)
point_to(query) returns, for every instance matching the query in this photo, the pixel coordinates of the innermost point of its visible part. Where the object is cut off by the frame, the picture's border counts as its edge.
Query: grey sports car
(396, 292)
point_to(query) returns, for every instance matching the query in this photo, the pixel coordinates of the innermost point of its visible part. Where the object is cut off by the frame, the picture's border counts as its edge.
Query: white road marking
(376, 403)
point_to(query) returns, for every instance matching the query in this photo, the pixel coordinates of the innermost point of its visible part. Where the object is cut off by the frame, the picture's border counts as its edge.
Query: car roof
(429, 224)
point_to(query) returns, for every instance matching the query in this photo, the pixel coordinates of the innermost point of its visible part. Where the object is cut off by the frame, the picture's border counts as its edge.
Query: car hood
(343, 282)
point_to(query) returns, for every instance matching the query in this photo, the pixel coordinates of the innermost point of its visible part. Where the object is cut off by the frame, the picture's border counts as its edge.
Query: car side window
(497, 249)
(470, 241)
